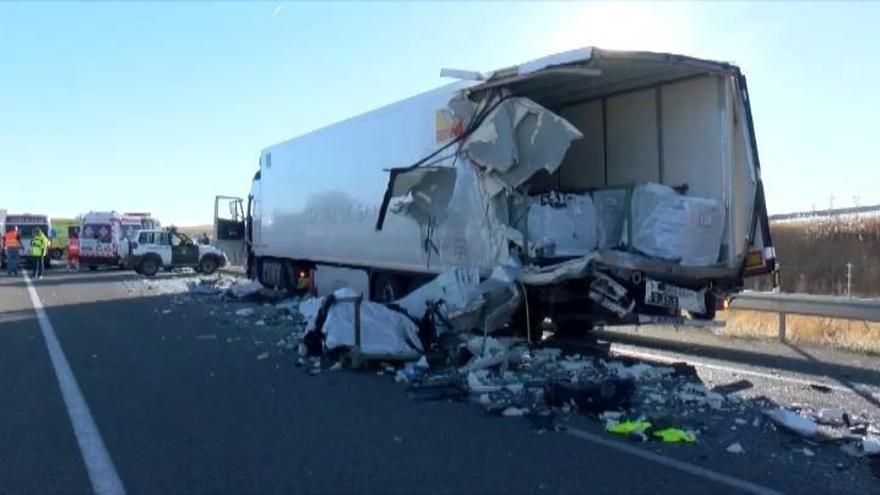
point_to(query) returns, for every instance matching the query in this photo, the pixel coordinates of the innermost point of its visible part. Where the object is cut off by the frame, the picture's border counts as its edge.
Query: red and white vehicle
(104, 238)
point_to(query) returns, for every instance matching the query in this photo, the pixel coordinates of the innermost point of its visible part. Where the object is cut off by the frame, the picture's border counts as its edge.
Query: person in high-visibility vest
(73, 251)
(39, 248)
(12, 243)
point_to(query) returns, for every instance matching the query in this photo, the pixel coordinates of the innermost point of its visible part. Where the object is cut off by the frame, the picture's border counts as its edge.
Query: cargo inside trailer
(663, 169)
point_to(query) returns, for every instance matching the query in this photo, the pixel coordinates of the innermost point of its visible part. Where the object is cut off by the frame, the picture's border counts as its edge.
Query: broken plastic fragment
(514, 411)
(793, 422)
(244, 312)
(628, 427)
(675, 435)
(871, 445)
(735, 448)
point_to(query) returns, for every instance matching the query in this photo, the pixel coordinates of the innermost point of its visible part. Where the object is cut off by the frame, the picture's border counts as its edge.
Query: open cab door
(230, 229)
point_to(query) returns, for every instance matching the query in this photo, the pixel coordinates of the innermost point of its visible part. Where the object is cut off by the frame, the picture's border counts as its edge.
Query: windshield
(27, 230)
(101, 232)
(128, 232)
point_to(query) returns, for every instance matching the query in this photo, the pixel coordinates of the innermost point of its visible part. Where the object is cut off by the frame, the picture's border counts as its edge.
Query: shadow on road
(843, 380)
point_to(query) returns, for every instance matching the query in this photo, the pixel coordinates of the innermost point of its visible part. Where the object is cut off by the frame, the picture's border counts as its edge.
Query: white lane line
(724, 479)
(102, 473)
(730, 369)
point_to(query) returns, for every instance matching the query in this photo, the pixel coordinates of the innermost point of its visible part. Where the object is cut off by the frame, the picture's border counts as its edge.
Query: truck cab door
(230, 228)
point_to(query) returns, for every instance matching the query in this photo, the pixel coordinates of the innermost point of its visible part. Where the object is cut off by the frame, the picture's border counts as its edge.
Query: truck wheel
(149, 266)
(208, 265)
(710, 308)
(386, 288)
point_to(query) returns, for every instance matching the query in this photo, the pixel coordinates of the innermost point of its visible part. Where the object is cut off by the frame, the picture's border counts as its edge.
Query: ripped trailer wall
(539, 164)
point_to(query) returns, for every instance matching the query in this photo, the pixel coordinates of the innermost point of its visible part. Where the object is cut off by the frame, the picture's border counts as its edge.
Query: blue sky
(160, 106)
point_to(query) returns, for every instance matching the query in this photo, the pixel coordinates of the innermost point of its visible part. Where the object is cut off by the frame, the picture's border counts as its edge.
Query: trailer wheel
(386, 288)
(150, 266)
(208, 265)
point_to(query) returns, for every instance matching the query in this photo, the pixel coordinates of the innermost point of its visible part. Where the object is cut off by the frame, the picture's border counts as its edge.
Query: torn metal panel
(573, 268)
(458, 296)
(611, 295)
(517, 139)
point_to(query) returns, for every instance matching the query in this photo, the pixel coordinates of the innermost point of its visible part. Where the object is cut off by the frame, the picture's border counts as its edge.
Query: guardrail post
(782, 327)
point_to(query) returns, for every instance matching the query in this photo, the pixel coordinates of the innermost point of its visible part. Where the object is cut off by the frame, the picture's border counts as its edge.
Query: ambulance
(104, 238)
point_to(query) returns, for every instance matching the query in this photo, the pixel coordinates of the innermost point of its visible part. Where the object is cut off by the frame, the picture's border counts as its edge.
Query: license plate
(674, 297)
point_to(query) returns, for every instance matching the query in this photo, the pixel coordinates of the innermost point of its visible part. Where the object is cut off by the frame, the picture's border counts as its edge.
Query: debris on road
(793, 422)
(244, 312)
(735, 448)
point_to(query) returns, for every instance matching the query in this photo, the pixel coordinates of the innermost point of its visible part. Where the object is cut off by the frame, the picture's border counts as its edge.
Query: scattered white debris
(260, 323)
(422, 363)
(244, 312)
(514, 387)
(740, 421)
(792, 421)
(336, 366)
(476, 386)
(484, 399)
(243, 289)
(735, 448)
(166, 311)
(514, 411)
(546, 354)
(262, 356)
(809, 453)
(871, 445)
(830, 416)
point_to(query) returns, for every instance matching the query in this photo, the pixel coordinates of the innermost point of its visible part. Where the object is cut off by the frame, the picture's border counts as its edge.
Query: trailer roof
(589, 73)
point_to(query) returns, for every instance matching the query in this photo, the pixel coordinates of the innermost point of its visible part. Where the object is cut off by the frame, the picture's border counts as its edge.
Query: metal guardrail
(806, 304)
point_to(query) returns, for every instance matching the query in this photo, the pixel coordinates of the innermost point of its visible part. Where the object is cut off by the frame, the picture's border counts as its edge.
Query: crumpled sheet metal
(573, 268)
(383, 330)
(519, 138)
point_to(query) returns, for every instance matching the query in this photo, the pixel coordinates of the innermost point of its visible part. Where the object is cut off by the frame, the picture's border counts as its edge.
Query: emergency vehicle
(27, 224)
(104, 238)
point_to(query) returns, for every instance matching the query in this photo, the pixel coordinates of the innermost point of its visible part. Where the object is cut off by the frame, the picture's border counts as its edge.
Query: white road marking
(617, 349)
(100, 467)
(724, 479)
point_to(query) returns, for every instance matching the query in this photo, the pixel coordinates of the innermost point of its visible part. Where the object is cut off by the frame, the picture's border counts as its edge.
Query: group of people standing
(39, 250)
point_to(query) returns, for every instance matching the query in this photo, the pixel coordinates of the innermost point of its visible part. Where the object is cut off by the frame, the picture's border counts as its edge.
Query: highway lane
(184, 406)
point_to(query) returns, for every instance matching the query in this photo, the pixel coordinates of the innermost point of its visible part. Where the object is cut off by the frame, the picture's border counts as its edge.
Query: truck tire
(150, 266)
(386, 287)
(208, 265)
(711, 308)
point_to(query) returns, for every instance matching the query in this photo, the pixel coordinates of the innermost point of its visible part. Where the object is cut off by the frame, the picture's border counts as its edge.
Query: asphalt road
(183, 404)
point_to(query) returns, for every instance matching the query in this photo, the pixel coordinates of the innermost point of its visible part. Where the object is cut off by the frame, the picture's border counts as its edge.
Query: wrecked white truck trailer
(619, 186)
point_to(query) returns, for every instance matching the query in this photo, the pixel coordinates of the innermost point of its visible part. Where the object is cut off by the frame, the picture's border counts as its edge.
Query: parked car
(158, 249)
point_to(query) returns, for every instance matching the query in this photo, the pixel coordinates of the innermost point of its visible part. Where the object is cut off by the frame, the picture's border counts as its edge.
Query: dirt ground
(851, 335)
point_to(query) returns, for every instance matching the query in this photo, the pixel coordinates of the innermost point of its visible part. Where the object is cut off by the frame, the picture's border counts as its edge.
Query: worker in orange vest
(12, 242)
(73, 251)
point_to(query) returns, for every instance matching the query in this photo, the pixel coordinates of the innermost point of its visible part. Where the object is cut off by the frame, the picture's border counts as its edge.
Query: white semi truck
(624, 186)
